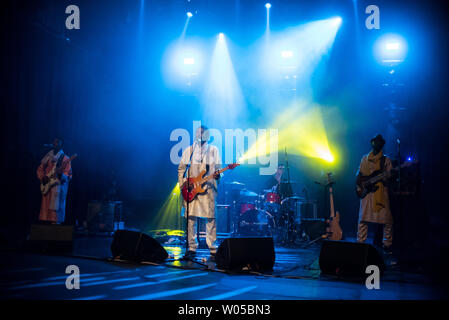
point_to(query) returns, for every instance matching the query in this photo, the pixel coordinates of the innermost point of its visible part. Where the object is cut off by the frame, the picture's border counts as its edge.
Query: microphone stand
(289, 194)
(288, 175)
(187, 247)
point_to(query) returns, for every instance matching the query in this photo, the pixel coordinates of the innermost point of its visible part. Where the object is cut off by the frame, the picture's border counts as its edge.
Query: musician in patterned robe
(375, 207)
(201, 156)
(53, 203)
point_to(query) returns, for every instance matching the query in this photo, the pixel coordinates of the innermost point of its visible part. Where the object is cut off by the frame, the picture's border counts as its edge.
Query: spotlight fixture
(337, 21)
(189, 14)
(287, 54)
(189, 61)
(392, 46)
(268, 5)
(390, 49)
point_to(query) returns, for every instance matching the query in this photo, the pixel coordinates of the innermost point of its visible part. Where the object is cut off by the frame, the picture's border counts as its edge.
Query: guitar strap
(190, 161)
(382, 162)
(59, 162)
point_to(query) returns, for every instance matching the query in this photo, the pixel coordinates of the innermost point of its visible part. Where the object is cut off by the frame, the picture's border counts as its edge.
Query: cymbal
(247, 193)
(291, 181)
(236, 183)
(295, 198)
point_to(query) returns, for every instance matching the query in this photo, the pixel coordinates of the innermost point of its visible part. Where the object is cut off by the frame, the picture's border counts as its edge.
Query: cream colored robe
(54, 202)
(204, 204)
(367, 211)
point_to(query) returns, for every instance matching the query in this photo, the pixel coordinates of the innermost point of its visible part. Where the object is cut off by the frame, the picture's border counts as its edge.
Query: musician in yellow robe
(375, 207)
(201, 156)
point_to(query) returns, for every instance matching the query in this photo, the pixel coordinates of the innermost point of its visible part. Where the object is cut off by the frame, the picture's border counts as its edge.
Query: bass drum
(256, 222)
(244, 207)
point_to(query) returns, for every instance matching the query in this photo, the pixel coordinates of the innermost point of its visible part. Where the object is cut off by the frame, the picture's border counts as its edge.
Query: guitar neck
(212, 175)
(62, 167)
(382, 175)
(331, 200)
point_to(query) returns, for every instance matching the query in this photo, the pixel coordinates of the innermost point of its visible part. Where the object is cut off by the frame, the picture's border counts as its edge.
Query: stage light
(301, 131)
(222, 98)
(183, 64)
(189, 14)
(169, 215)
(186, 61)
(287, 54)
(189, 61)
(390, 49)
(392, 46)
(337, 21)
(299, 49)
(267, 28)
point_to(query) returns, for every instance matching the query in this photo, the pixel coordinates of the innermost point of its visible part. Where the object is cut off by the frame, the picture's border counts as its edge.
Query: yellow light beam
(301, 130)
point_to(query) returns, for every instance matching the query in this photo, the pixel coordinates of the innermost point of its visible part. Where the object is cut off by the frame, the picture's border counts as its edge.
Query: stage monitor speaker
(51, 238)
(238, 253)
(348, 259)
(136, 246)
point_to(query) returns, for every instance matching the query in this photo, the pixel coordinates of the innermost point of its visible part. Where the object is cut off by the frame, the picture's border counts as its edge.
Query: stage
(296, 275)
(318, 127)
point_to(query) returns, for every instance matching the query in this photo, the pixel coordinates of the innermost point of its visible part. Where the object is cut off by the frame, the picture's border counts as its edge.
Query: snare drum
(244, 207)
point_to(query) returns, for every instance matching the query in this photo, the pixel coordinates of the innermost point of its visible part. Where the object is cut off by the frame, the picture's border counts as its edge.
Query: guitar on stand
(333, 230)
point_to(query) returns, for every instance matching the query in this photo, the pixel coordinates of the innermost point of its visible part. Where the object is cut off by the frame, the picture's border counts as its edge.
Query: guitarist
(375, 206)
(53, 203)
(201, 156)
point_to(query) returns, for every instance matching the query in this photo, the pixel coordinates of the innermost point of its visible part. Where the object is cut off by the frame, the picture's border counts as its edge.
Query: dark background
(101, 88)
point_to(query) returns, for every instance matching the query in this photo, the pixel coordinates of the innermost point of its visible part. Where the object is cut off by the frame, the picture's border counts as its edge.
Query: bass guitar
(367, 184)
(53, 176)
(333, 230)
(194, 186)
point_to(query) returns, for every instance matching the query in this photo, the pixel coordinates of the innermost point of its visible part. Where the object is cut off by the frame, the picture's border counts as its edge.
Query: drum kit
(268, 214)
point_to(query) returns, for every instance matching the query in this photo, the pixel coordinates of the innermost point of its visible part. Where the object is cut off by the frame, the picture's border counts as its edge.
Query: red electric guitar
(194, 186)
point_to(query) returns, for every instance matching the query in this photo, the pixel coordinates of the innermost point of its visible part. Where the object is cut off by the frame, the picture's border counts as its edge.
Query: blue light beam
(222, 101)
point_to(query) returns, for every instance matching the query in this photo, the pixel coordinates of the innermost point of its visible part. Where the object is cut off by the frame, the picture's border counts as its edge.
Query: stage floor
(296, 275)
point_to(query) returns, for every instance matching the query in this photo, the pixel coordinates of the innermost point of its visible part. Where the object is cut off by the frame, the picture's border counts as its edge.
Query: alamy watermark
(373, 20)
(73, 20)
(262, 146)
(373, 280)
(73, 280)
